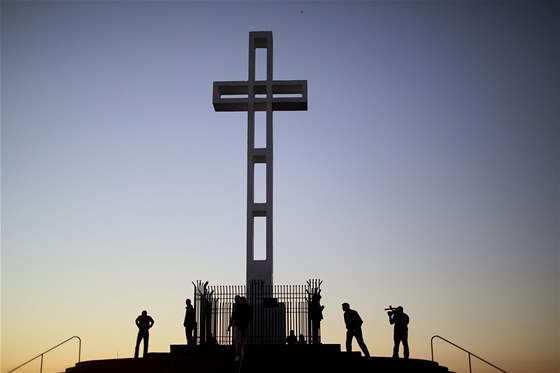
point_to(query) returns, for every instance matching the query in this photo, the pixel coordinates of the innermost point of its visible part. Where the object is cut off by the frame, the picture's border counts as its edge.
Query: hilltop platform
(322, 358)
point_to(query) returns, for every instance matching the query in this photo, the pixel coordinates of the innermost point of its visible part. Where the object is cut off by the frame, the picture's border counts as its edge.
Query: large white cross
(260, 95)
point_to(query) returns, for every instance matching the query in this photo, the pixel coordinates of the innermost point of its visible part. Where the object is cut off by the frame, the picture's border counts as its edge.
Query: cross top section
(260, 95)
(283, 95)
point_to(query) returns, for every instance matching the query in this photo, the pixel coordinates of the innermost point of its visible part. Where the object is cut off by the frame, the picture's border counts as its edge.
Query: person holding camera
(400, 319)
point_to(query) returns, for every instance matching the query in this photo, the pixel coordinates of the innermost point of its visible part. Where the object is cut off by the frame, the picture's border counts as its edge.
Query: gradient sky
(425, 172)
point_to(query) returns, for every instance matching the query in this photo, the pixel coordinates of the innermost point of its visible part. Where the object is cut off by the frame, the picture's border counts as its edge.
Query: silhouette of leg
(396, 350)
(138, 340)
(190, 337)
(238, 341)
(396, 347)
(146, 340)
(405, 347)
(316, 328)
(242, 343)
(360, 340)
(349, 336)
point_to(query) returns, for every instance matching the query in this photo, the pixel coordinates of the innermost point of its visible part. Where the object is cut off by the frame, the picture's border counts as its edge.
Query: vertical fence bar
(79, 349)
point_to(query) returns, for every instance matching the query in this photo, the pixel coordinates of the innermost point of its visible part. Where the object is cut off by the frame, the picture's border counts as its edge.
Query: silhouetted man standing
(241, 317)
(353, 323)
(400, 320)
(189, 322)
(144, 323)
(291, 340)
(315, 315)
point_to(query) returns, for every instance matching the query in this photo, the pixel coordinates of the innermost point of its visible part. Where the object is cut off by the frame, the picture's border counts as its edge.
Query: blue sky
(424, 173)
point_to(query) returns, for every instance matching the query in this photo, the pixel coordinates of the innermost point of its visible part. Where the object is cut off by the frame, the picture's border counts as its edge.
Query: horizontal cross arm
(287, 95)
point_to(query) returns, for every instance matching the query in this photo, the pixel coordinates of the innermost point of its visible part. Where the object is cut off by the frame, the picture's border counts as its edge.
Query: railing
(276, 310)
(461, 348)
(49, 350)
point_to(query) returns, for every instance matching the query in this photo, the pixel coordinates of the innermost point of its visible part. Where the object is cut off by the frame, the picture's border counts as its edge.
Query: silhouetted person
(400, 319)
(190, 322)
(241, 317)
(291, 340)
(353, 323)
(236, 302)
(144, 323)
(211, 341)
(301, 340)
(316, 315)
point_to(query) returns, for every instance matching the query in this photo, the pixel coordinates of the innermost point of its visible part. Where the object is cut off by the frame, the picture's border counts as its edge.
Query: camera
(391, 310)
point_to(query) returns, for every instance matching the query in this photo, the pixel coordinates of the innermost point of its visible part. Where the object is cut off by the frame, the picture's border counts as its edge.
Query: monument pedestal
(319, 358)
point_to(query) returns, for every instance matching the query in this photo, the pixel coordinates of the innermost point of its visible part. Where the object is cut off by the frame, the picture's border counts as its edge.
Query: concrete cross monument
(254, 95)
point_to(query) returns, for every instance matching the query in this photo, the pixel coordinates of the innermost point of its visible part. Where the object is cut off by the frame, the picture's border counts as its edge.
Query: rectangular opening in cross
(260, 129)
(260, 183)
(259, 238)
(232, 90)
(261, 63)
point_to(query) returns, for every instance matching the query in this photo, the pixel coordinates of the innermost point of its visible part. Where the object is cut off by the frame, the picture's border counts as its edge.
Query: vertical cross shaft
(251, 96)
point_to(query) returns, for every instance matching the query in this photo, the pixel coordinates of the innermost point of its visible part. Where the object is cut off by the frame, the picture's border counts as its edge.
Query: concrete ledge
(258, 359)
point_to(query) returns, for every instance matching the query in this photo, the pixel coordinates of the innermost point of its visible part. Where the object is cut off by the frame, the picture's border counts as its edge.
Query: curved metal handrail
(461, 348)
(49, 350)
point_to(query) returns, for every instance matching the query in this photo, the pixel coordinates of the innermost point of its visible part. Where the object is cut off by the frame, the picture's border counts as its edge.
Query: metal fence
(277, 309)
